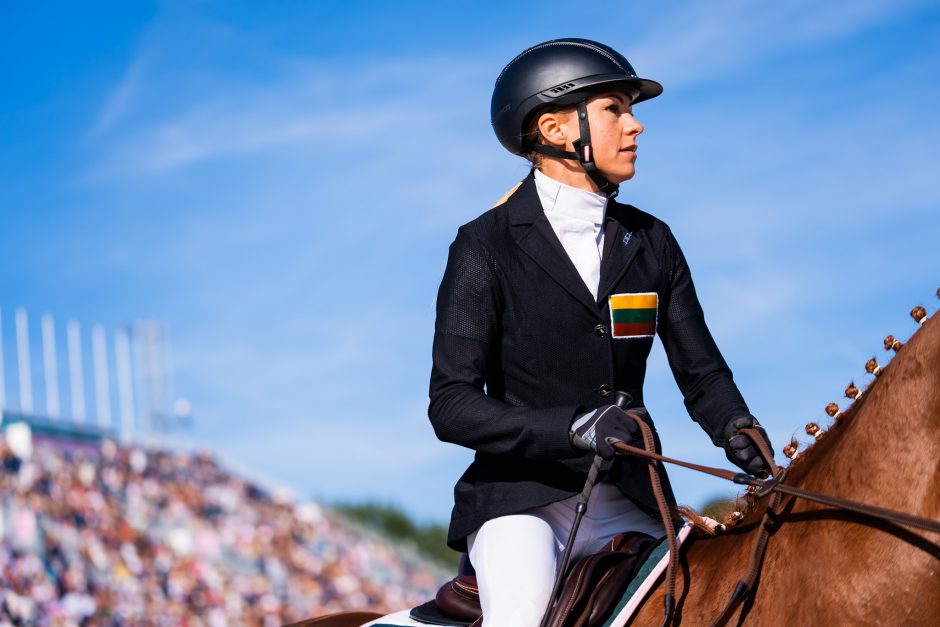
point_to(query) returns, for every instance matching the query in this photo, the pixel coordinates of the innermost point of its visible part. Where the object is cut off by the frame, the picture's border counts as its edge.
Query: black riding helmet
(562, 72)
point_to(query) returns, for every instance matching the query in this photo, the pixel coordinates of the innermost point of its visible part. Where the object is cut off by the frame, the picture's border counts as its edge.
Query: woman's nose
(632, 126)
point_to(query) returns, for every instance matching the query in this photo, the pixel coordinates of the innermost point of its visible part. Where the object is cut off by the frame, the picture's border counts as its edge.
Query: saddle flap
(594, 585)
(592, 588)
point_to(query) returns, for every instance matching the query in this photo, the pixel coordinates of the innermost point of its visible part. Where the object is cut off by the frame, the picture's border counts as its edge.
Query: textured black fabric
(521, 347)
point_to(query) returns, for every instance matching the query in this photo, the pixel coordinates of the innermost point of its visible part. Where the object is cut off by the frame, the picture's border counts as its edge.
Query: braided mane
(826, 438)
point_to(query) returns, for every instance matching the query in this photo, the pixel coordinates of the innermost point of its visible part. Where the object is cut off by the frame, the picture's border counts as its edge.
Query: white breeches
(515, 556)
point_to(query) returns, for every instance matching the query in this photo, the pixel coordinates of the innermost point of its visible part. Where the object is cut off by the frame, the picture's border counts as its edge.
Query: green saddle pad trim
(641, 574)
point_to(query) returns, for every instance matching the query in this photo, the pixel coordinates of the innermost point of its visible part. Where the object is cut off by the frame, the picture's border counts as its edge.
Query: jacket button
(604, 390)
(600, 330)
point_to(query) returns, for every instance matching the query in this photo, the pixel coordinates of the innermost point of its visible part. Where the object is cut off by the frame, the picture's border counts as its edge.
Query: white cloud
(121, 98)
(327, 109)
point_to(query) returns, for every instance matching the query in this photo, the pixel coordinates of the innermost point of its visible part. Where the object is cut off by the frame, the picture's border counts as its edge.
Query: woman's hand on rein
(741, 451)
(600, 429)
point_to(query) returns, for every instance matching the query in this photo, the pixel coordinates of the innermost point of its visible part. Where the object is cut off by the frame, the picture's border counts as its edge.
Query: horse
(824, 565)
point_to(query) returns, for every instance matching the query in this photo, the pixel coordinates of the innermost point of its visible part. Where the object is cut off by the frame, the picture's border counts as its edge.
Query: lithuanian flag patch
(634, 315)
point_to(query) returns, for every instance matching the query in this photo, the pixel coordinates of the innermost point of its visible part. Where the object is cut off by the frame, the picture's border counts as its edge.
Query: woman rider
(549, 303)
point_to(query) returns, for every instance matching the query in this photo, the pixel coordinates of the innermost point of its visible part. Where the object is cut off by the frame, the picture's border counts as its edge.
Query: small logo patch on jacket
(634, 315)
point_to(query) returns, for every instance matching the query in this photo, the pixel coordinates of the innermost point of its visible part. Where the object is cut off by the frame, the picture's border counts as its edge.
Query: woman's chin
(620, 177)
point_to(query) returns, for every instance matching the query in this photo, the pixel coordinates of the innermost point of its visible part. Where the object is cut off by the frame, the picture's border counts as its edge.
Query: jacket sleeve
(711, 396)
(467, 351)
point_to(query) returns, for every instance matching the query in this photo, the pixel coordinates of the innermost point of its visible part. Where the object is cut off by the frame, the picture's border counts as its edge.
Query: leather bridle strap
(763, 448)
(745, 586)
(669, 598)
(889, 515)
(774, 485)
(737, 477)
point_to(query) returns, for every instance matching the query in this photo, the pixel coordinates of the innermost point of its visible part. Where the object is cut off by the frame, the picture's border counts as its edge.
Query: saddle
(591, 590)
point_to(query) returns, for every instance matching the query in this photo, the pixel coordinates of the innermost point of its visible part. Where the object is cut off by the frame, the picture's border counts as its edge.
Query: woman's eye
(614, 109)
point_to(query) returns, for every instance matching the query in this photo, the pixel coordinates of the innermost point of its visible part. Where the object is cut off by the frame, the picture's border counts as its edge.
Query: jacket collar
(523, 204)
(533, 233)
(621, 245)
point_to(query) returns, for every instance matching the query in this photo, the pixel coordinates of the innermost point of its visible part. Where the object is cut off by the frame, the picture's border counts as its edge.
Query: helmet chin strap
(584, 153)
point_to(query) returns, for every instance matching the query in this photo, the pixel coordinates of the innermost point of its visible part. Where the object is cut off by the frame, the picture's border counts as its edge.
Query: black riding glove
(598, 430)
(741, 451)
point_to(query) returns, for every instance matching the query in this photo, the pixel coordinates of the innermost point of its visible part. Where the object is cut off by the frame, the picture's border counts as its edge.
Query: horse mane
(802, 462)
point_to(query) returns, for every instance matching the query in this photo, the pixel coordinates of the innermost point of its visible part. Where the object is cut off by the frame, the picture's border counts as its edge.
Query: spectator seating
(127, 536)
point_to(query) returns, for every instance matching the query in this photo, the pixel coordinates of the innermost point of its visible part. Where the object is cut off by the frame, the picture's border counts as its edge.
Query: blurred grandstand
(97, 529)
(112, 535)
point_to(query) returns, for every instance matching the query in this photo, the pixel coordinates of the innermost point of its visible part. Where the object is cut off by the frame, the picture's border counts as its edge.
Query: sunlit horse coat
(521, 347)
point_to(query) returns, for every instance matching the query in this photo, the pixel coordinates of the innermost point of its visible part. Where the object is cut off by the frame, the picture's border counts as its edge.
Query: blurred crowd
(125, 536)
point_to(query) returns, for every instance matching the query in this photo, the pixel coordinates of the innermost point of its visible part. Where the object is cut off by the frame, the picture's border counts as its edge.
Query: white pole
(51, 366)
(3, 385)
(122, 350)
(76, 378)
(99, 353)
(22, 358)
(142, 376)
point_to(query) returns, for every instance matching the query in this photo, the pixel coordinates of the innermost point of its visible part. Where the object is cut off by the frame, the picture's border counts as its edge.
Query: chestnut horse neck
(823, 566)
(884, 450)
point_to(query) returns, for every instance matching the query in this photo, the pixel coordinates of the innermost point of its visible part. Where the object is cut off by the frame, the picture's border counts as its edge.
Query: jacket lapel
(620, 247)
(533, 233)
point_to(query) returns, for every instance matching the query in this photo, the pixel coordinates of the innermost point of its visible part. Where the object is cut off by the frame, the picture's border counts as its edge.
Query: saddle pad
(646, 577)
(399, 619)
(430, 614)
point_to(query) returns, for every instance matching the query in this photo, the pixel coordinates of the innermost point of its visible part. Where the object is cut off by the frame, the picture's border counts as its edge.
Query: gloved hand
(597, 430)
(741, 451)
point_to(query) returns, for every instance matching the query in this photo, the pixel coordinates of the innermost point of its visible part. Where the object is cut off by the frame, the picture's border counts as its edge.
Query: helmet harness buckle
(583, 153)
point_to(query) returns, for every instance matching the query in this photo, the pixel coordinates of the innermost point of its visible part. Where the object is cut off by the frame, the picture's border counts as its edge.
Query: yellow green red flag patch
(634, 315)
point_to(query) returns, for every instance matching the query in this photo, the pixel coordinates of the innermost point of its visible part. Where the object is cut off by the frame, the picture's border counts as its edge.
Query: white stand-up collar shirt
(577, 217)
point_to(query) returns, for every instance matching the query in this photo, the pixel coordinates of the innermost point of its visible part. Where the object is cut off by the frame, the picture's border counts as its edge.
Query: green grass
(429, 539)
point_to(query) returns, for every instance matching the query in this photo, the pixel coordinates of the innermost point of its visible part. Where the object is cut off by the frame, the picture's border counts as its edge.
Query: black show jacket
(521, 347)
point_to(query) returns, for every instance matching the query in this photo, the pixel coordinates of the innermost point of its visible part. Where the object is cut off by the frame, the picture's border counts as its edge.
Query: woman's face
(613, 134)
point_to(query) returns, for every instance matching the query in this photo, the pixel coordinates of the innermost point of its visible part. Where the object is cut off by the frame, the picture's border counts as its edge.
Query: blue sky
(279, 182)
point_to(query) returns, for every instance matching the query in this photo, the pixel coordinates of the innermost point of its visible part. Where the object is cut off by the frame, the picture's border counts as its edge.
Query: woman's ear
(553, 128)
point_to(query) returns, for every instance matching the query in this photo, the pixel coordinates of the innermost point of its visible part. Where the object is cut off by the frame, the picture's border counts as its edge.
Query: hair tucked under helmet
(557, 73)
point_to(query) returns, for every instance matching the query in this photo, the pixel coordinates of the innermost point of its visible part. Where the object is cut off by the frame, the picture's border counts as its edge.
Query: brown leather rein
(766, 486)
(774, 487)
